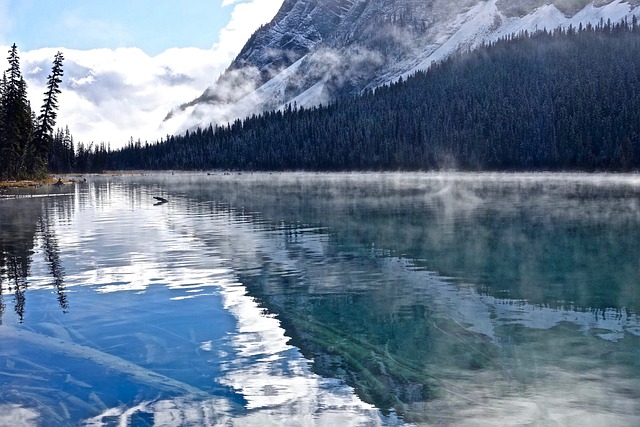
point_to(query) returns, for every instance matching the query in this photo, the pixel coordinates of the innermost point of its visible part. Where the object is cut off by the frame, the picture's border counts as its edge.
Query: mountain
(315, 51)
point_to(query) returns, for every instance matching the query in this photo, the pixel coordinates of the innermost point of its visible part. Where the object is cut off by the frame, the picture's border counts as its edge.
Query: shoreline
(34, 183)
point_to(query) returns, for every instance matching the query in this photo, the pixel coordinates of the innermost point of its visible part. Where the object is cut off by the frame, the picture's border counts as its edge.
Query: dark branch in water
(160, 200)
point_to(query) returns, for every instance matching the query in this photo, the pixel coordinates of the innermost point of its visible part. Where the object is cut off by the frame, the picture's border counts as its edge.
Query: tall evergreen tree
(47, 119)
(16, 119)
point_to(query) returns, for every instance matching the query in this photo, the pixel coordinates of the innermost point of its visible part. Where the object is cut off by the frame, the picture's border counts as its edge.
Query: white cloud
(245, 19)
(226, 3)
(110, 95)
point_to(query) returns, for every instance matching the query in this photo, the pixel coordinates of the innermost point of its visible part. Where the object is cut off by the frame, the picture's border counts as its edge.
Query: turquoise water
(322, 299)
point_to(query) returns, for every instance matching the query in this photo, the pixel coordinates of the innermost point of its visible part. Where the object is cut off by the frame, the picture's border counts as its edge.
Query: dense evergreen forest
(562, 100)
(569, 99)
(25, 140)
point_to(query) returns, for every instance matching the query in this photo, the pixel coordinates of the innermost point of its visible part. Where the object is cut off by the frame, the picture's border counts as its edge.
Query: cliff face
(316, 50)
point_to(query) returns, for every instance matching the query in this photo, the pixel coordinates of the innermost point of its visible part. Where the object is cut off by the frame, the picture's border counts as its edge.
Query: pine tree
(16, 119)
(47, 119)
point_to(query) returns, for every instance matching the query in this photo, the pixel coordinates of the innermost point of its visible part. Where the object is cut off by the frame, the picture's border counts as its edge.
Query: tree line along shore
(562, 100)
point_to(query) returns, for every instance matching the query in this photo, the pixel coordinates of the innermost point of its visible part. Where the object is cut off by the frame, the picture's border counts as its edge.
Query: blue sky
(152, 25)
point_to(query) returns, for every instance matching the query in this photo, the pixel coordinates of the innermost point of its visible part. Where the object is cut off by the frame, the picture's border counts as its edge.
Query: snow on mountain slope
(485, 22)
(317, 50)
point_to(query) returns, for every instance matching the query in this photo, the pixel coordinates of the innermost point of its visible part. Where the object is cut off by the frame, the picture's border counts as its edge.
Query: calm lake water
(322, 300)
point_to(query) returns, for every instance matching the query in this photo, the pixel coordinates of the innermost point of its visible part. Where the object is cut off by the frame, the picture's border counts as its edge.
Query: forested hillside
(567, 100)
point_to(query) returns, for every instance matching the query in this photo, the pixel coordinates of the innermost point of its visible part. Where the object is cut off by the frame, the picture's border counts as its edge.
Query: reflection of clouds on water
(124, 248)
(272, 375)
(188, 252)
(17, 416)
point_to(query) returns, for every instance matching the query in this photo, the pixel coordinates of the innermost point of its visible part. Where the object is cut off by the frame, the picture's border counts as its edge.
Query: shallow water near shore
(322, 299)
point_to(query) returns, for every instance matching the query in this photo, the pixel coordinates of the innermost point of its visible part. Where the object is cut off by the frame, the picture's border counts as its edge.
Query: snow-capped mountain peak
(316, 50)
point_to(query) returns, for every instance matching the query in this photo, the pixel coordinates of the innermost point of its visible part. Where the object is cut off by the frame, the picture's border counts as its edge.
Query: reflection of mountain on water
(551, 240)
(391, 330)
(340, 265)
(344, 270)
(26, 226)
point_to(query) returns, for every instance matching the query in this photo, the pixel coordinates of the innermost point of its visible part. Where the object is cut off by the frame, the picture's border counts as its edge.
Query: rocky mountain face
(316, 50)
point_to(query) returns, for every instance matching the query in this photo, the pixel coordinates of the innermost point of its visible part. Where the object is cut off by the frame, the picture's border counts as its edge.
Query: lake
(307, 299)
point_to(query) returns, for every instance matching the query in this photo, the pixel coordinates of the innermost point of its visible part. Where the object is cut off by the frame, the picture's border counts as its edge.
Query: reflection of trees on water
(26, 224)
(18, 280)
(52, 257)
(18, 221)
(2, 304)
(515, 237)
